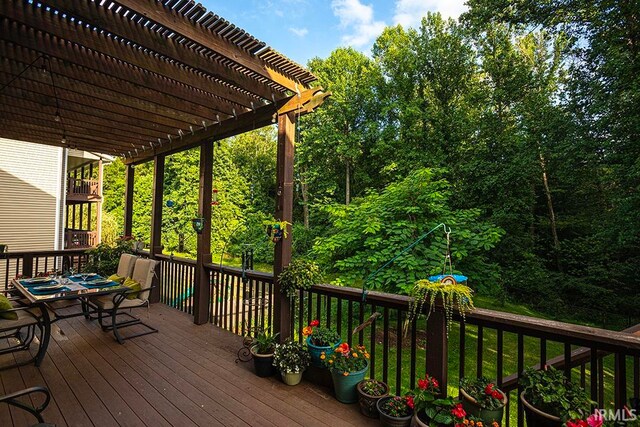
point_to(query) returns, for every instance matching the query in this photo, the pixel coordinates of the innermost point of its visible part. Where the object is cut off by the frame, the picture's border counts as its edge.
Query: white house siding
(31, 195)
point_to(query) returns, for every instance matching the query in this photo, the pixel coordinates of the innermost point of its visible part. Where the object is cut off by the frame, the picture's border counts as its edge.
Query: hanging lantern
(198, 224)
(214, 197)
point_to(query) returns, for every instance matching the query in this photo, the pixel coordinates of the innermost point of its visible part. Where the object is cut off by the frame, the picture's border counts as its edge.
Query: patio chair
(118, 304)
(126, 265)
(36, 411)
(17, 335)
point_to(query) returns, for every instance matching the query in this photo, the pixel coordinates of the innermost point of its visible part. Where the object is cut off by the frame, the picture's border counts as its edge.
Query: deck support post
(437, 348)
(128, 199)
(284, 212)
(202, 286)
(156, 217)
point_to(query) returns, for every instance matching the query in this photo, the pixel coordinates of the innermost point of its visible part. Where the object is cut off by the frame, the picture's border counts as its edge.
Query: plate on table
(49, 287)
(97, 282)
(38, 280)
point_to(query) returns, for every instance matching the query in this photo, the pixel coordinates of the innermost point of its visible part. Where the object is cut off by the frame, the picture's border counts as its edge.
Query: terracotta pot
(487, 416)
(368, 402)
(388, 420)
(263, 363)
(536, 418)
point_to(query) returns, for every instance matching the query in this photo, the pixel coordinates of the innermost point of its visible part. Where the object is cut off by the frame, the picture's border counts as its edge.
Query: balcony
(83, 190)
(80, 239)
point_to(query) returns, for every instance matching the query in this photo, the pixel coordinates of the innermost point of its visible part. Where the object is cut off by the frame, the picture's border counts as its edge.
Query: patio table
(71, 289)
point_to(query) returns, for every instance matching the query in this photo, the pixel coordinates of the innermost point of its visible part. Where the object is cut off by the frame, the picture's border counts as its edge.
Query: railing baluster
(318, 308)
(339, 316)
(500, 357)
(567, 360)
(620, 380)
(543, 352)
(309, 306)
(328, 311)
(372, 346)
(399, 353)
(237, 306)
(385, 346)
(298, 329)
(414, 349)
(636, 377)
(520, 370)
(583, 375)
(461, 360)
(360, 322)
(349, 322)
(593, 373)
(600, 382)
(480, 351)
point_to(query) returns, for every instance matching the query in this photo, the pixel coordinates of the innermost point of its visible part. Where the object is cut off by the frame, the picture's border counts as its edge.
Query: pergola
(142, 79)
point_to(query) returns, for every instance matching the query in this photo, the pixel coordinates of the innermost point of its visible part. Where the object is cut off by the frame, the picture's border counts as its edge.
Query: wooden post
(128, 200)
(156, 206)
(99, 204)
(437, 348)
(202, 287)
(156, 217)
(284, 212)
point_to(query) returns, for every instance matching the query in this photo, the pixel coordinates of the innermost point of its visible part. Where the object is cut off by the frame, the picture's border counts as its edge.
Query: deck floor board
(185, 375)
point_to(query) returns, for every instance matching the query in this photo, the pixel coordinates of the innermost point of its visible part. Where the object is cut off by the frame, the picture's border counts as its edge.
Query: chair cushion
(105, 302)
(116, 278)
(134, 286)
(23, 319)
(5, 304)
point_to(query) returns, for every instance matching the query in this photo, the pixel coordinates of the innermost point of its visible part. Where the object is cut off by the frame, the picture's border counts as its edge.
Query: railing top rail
(177, 259)
(552, 329)
(20, 254)
(252, 274)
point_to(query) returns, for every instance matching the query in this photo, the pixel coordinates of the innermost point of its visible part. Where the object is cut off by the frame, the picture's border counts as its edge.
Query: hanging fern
(451, 295)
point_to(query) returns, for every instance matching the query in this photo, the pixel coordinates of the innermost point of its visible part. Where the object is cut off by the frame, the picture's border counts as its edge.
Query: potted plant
(291, 359)
(262, 348)
(550, 399)
(395, 411)
(446, 291)
(319, 340)
(299, 274)
(431, 410)
(348, 366)
(369, 392)
(482, 399)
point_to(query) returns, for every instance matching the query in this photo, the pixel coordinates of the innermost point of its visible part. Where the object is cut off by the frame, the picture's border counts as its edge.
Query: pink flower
(595, 420)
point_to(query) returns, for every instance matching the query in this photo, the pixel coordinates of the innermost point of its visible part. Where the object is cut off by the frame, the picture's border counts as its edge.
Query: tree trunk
(347, 184)
(552, 214)
(305, 200)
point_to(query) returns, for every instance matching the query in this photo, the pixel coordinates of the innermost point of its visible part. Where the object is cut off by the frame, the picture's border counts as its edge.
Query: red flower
(314, 323)
(496, 394)
(410, 403)
(423, 384)
(577, 423)
(434, 382)
(458, 412)
(489, 388)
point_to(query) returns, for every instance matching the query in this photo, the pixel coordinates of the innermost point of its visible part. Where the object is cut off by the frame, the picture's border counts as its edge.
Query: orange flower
(330, 361)
(346, 374)
(343, 348)
(495, 424)
(354, 354)
(307, 330)
(323, 356)
(479, 424)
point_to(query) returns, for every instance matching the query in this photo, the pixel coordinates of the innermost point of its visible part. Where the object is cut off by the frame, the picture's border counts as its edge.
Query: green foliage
(484, 391)
(291, 357)
(104, 258)
(450, 295)
(299, 274)
(264, 342)
(551, 392)
(373, 387)
(396, 406)
(375, 228)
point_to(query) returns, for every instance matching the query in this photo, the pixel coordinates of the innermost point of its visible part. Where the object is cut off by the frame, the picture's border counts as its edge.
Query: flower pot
(488, 416)
(420, 419)
(315, 352)
(291, 378)
(263, 363)
(387, 420)
(368, 402)
(537, 418)
(345, 385)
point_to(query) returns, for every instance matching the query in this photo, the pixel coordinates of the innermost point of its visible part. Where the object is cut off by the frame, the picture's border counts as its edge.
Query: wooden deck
(185, 375)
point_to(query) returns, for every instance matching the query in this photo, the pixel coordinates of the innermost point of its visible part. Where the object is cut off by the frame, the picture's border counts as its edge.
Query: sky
(304, 29)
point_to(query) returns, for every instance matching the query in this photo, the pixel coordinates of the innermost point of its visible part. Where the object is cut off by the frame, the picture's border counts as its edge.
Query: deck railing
(80, 239)
(83, 187)
(31, 263)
